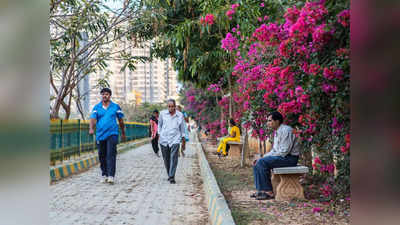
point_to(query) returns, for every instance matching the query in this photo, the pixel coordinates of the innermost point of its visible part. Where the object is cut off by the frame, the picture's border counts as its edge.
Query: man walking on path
(154, 132)
(171, 128)
(104, 116)
(284, 153)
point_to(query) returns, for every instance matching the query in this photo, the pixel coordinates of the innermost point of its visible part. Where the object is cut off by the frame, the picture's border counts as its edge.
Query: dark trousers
(262, 170)
(170, 156)
(154, 144)
(108, 155)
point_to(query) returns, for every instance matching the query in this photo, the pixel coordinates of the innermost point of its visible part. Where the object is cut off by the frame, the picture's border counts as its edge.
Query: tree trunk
(54, 112)
(307, 157)
(245, 149)
(230, 95)
(264, 147)
(67, 108)
(79, 104)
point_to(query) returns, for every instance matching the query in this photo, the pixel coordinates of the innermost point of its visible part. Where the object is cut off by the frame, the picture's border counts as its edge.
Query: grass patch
(228, 181)
(246, 217)
(236, 184)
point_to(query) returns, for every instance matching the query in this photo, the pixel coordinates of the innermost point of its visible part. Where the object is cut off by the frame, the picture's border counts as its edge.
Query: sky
(114, 4)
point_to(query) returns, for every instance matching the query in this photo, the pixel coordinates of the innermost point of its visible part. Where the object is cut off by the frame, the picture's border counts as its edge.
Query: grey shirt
(285, 142)
(171, 128)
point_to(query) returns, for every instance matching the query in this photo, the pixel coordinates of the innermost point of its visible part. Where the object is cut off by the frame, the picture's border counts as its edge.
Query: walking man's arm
(93, 121)
(122, 126)
(120, 116)
(182, 130)
(92, 124)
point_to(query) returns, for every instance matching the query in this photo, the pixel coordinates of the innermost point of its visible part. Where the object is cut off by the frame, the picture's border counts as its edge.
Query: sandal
(254, 195)
(264, 196)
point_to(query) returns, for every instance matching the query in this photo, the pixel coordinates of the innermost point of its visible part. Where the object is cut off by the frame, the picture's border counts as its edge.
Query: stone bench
(235, 149)
(285, 182)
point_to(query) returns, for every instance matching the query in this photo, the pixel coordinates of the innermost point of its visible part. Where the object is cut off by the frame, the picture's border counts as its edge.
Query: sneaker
(110, 180)
(172, 181)
(104, 179)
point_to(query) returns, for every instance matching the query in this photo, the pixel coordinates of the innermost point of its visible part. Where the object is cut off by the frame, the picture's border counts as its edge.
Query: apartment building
(152, 82)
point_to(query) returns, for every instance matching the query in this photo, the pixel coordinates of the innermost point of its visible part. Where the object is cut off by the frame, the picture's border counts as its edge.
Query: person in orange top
(234, 135)
(154, 132)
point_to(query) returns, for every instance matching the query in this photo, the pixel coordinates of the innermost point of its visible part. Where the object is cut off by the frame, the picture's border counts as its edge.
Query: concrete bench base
(235, 149)
(285, 182)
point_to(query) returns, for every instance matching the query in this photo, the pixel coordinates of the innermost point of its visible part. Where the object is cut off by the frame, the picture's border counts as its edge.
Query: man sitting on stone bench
(234, 135)
(284, 153)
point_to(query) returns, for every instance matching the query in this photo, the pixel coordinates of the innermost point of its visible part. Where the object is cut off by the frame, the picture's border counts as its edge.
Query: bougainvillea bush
(299, 65)
(202, 106)
(295, 61)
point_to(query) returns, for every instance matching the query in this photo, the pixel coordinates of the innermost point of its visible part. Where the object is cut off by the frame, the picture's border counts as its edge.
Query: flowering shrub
(202, 107)
(208, 19)
(296, 62)
(231, 11)
(230, 42)
(299, 65)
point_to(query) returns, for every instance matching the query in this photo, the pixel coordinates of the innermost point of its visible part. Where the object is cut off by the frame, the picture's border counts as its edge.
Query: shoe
(172, 181)
(254, 195)
(104, 179)
(158, 154)
(110, 180)
(264, 196)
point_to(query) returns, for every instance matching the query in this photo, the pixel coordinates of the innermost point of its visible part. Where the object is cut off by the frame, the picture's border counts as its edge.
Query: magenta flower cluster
(230, 43)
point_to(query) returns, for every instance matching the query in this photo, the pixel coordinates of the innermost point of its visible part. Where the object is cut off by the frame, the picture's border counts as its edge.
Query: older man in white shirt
(284, 153)
(171, 127)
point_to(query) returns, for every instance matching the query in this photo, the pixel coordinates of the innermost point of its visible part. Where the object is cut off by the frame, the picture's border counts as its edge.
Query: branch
(54, 4)
(114, 22)
(52, 83)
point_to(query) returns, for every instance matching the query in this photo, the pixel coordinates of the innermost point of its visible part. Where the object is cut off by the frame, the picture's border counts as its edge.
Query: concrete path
(141, 193)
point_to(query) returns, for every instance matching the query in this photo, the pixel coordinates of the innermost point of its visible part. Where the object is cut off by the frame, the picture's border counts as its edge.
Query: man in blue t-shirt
(104, 116)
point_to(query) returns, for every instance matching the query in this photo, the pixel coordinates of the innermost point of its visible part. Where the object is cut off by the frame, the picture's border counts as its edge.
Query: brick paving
(141, 193)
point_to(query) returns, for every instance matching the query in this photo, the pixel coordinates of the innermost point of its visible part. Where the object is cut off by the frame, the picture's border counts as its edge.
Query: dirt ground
(237, 184)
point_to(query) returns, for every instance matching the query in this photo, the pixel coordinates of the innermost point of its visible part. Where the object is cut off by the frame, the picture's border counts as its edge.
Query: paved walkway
(141, 193)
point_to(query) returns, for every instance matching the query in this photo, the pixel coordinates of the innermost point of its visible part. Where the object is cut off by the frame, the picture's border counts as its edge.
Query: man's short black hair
(171, 100)
(105, 90)
(276, 116)
(155, 111)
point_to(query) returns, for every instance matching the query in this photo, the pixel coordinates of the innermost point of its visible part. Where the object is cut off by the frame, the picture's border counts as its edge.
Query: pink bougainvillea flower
(234, 6)
(316, 210)
(344, 17)
(230, 42)
(209, 19)
(230, 13)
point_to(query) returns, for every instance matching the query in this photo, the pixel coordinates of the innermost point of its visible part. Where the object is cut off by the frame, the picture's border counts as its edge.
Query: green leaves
(83, 36)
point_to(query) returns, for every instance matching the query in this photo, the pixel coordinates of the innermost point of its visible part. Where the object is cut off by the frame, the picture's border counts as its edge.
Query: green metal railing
(71, 137)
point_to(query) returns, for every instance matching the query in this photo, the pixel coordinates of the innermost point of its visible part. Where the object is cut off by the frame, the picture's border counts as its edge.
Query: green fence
(71, 137)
